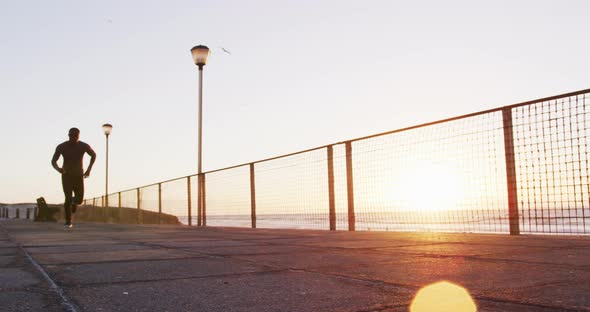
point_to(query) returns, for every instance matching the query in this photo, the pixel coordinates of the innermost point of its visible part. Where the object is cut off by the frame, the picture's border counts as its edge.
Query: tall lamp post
(200, 54)
(107, 131)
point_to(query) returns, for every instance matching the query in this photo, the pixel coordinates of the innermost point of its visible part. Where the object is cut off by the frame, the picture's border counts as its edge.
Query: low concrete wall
(119, 215)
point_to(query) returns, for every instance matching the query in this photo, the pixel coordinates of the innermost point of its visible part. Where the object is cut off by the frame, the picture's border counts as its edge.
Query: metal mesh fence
(519, 168)
(113, 200)
(129, 199)
(228, 197)
(292, 192)
(149, 198)
(551, 148)
(445, 177)
(175, 199)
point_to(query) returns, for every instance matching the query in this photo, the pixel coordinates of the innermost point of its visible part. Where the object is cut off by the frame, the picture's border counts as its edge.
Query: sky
(300, 74)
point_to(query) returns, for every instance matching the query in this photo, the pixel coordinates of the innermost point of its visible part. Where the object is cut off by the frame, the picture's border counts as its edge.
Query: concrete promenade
(106, 267)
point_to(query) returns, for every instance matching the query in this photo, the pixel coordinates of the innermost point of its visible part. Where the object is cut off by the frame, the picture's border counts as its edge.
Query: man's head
(74, 135)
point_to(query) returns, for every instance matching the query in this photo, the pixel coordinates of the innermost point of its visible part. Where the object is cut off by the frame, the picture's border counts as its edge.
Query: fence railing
(521, 168)
(18, 212)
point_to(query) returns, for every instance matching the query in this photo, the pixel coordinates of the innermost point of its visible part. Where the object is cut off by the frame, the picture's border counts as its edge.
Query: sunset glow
(428, 187)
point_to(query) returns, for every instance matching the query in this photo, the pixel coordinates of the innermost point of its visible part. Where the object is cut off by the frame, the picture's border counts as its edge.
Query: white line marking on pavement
(70, 307)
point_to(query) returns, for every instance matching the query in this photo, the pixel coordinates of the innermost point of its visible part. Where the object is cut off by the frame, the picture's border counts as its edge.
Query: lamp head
(107, 129)
(200, 54)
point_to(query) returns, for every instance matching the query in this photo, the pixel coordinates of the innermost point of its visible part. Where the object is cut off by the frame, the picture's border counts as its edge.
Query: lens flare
(443, 297)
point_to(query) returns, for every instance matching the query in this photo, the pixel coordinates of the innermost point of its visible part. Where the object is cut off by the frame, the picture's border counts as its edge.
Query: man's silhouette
(72, 170)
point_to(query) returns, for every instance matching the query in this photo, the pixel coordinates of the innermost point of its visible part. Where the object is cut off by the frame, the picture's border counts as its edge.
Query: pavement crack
(121, 261)
(527, 304)
(87, 285)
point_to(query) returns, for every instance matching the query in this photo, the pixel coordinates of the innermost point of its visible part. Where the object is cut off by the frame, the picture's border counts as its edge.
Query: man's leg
(66, 183)
(78, 187)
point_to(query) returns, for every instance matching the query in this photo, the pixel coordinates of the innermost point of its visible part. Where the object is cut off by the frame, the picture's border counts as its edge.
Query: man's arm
(92, 154)
(55, 158)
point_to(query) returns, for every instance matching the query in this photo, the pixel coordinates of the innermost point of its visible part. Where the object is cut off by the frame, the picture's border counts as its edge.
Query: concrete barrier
(122, 215)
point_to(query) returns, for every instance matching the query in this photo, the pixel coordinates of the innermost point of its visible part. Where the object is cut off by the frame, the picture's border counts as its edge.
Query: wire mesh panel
(149, 198)
(228, 197)
(112, 206)
(175, 199)
(129, 199)
(292, 192)
(444, 177)
(113, 200)
(551, 147)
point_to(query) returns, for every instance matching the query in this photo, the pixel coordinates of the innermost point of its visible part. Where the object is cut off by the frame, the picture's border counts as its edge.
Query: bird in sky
(224, 50)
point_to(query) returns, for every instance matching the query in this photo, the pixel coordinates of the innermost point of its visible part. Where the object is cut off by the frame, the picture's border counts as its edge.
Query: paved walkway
(105, 267)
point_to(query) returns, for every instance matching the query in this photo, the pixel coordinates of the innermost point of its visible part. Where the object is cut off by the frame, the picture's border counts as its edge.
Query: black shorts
(73, 184)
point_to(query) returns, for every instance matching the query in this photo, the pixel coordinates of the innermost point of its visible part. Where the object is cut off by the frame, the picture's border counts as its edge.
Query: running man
(72, 171)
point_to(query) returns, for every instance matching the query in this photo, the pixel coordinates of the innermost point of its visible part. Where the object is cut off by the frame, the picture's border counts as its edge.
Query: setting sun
(429, 187)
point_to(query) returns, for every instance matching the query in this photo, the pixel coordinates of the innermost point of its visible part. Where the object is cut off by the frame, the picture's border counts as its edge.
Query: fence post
(119, 207)
(204, 201)
(252, 196)
(510, 171)
(331, 198)
(108, 213)
(103, 210)
(160, 203)
(188, 192)
(199, 203)
(350, 187)
(138, 206)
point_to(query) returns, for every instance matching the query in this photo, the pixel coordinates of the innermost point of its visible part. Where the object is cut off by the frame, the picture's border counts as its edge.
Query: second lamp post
(107, 131)
(200, 54)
